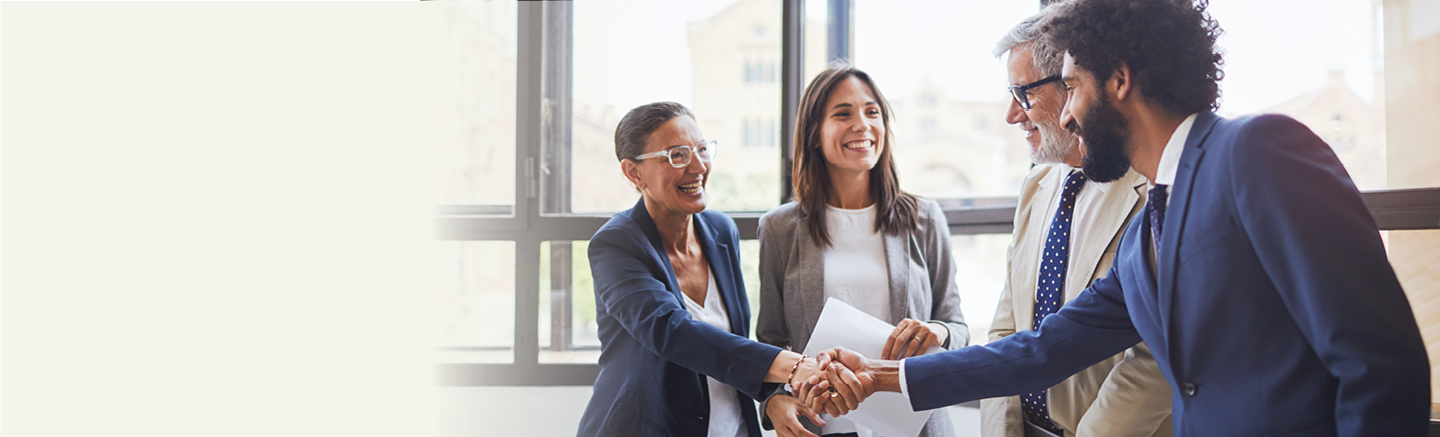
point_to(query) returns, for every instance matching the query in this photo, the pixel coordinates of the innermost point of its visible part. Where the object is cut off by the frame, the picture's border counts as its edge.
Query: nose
(858, 126)
(1015, 114)
(697, 165)
(1065, 116)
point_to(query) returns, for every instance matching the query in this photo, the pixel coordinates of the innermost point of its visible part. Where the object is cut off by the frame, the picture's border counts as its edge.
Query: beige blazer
(1124, 395)
(792, 289)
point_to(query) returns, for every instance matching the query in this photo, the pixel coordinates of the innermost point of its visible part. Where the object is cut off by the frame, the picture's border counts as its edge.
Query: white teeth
(859, 144)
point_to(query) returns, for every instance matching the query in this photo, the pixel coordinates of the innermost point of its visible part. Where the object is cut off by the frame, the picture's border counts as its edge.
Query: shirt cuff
(904, 388)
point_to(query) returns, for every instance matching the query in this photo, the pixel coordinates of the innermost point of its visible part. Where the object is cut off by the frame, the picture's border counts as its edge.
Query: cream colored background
(217, 218)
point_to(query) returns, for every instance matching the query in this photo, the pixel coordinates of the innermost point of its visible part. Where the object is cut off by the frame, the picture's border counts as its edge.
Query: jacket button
(1188, 389)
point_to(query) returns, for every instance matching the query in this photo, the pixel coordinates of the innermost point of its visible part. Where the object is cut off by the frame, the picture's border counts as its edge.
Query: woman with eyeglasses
(675, 358)
(852, 235)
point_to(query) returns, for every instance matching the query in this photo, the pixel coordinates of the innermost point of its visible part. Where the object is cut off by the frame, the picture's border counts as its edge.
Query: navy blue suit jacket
(654, 356)
(1275, 311)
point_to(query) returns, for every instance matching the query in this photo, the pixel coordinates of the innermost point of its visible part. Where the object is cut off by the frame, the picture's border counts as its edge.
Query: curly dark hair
(1169, 46)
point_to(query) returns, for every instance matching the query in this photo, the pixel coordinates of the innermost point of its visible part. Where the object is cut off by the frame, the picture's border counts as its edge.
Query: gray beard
(1054, 145)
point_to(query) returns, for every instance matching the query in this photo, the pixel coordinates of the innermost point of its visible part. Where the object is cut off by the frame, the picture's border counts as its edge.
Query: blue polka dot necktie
(1051, 288)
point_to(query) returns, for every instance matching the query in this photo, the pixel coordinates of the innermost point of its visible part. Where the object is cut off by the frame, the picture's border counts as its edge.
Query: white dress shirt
(725, 418)
(1170, 158)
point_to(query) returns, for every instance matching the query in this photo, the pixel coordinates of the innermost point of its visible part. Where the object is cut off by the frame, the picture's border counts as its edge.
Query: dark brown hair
(633, 133)
(896, 212)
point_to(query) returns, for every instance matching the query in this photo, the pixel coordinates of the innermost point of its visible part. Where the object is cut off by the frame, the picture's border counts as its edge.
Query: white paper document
(885, 413)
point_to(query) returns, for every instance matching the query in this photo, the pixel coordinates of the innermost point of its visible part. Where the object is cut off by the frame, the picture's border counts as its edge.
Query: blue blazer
(1275, 311)
(653, 356)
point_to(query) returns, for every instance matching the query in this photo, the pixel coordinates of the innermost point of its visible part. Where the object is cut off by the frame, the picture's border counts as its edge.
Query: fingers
(891, 343)
(785, 411)
(810, 414)
(848, 386)
(906, 339)
(930, 341)
(819, 396)
(803, 388)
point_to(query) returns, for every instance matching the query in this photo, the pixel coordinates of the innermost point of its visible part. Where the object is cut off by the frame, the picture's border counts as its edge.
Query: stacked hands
(836, 381)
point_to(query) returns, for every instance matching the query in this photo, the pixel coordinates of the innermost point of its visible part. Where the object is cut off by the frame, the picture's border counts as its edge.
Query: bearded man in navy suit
(1256, 275)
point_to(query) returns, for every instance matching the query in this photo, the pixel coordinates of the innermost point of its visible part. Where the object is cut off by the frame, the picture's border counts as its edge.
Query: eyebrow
(847, 105)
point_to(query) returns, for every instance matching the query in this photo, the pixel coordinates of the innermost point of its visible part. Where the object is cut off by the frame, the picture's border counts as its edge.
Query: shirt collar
(1170, 158)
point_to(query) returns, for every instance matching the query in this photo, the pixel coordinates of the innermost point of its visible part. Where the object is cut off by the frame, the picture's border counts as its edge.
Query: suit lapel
(647, 224)
(718, 254)
(1176, 213)
(812, 275)
(1106, 221)
(1042, 212)
(897, 255)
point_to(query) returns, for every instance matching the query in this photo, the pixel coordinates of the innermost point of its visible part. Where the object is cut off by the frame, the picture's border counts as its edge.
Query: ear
(632, 172)
(1120, 82)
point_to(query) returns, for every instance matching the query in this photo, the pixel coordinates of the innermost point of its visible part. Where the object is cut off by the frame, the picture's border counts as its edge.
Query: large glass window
(480, 115)
(720, 58)
(980, 275)
(568, 333)
(948, 92)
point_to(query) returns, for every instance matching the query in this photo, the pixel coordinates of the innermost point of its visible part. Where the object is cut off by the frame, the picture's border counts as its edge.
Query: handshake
(836, 383)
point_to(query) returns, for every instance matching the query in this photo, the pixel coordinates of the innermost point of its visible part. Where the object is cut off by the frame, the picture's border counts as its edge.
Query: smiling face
(677, 191)
(853, 133)
(1103, 131)
(1049, 143)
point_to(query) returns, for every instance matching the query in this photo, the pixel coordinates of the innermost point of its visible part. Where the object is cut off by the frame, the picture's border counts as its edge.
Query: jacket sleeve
(1320, 247)
(1093, 327)
(946, 294)
(626, 286)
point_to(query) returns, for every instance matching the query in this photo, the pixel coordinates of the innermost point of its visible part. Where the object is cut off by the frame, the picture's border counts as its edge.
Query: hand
(785, 411)
(849, 374)
(912, 338)
(807, 369)
(814, 390)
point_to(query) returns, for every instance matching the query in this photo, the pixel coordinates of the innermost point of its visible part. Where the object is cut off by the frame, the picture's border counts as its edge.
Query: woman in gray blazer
(851, 234)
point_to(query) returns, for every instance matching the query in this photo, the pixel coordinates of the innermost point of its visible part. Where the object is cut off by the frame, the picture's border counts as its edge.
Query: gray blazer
(792, 289)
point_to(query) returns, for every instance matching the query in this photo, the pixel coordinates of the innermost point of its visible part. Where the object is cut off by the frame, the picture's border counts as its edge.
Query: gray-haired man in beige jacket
(1066, 231)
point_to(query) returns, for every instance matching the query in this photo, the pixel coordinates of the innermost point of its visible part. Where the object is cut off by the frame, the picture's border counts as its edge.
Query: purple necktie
(1155, 211)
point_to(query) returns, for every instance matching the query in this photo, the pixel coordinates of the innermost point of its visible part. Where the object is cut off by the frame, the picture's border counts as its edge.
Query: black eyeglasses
(1021, 92)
